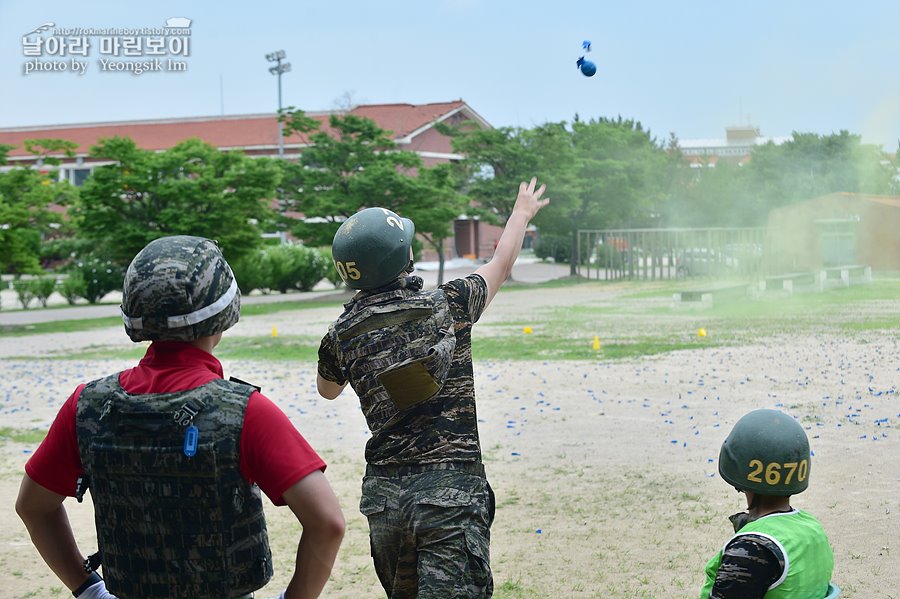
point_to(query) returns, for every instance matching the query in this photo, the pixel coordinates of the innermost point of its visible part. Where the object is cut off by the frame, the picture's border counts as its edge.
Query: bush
(555, 247)
(331, 273)
(43, 288)
(37, 288)
(294, 267)
(73, 287)
(100, 277)
(24, 291)
(252, 272)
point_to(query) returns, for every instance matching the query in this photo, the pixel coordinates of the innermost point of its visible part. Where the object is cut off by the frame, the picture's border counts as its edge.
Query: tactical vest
(169, 525)
(808, 560)
(396, 348)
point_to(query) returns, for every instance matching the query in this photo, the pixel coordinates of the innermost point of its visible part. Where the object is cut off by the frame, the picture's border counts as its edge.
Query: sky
(689, 68)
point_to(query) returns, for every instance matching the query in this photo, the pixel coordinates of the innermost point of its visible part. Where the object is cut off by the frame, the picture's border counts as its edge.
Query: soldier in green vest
(777, 552)
(407, 353)
(174, 455)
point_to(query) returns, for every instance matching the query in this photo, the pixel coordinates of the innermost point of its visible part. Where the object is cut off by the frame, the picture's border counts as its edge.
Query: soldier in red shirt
(175, 456)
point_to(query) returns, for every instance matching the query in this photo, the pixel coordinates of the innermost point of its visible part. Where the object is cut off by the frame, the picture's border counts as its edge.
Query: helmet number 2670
(772, 472)
(347, 270)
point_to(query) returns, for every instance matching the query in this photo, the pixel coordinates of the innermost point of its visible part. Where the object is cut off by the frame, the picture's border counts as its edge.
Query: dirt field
(605, 471)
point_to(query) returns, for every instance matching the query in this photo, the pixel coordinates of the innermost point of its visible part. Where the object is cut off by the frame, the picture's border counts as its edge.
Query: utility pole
(278, 70)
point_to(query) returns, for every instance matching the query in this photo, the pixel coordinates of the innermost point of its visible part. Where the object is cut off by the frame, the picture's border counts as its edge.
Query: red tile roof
(246, 131)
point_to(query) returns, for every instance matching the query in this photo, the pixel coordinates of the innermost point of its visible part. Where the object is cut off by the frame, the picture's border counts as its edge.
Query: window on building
(77, 176)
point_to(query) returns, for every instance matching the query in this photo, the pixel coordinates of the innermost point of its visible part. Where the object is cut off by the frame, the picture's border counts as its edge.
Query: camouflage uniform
(169, 525)
(779, 555)
(425, 494)
(750, 564)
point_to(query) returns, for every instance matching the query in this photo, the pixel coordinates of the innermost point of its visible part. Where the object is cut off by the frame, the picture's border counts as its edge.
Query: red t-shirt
(273, 453)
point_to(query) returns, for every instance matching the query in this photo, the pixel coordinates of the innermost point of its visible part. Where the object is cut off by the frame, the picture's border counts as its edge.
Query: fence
(656, 254)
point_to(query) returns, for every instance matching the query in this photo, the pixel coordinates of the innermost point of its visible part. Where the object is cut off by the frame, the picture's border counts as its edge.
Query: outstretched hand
(529, 199)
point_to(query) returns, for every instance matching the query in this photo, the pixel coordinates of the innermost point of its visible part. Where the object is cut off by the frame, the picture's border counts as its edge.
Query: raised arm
(498, 269)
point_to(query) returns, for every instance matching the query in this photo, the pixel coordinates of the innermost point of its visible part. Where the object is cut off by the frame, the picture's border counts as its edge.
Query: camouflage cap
(179, 288)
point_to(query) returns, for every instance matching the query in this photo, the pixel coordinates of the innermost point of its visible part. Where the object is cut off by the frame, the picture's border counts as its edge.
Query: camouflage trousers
(430, 529)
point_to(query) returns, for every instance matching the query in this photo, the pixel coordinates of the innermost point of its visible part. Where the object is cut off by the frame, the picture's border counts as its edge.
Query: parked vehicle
(704, 262)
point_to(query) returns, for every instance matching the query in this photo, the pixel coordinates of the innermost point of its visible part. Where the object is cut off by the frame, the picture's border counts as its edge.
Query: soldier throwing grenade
(407, 354)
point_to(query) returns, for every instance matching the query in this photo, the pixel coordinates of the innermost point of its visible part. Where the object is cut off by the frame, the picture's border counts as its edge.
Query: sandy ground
(605, 472)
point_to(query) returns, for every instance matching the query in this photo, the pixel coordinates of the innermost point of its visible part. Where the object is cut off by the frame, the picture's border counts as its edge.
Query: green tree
(27, 195)
(437, 202)
(353, 166)
(357, 165)
(494, 160)
(599, 173)
(810, 165)
(806, 166)
(190, 189)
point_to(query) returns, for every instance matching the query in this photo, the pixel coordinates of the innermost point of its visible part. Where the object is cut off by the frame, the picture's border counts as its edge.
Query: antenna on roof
(221, 96)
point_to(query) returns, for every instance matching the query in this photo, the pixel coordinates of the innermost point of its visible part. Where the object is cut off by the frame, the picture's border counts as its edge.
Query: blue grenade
(588, 68)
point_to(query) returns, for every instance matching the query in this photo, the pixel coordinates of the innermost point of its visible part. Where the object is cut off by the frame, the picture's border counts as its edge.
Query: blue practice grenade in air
(588, 68)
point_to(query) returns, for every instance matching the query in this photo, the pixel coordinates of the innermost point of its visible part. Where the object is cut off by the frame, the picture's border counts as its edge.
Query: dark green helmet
(767, 453)
(179, 288)
(371, 248)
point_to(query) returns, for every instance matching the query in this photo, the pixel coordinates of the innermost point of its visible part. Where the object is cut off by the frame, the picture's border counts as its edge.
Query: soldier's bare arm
(328, 389)
(498, 269)
(45, 517)
(316, 507)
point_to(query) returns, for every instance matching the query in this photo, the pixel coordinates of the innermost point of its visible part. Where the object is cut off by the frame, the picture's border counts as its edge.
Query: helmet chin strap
(741, 519)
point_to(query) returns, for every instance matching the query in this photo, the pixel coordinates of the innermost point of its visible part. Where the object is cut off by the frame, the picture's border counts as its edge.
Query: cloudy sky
(691, 68)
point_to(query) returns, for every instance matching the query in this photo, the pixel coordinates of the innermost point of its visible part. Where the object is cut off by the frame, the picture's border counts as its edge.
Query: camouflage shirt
(444, 428)
(750, 565)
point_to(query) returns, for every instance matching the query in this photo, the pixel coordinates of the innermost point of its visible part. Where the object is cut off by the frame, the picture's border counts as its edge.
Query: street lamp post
(278, 70)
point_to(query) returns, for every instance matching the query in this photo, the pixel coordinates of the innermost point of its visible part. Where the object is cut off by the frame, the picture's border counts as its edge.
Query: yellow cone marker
(701, 332)
(527, 330)
(274, 331)
(596, 345)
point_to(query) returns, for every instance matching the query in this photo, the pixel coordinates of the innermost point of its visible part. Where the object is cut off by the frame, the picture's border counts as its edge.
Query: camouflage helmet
(371, 248)
(179, 288)
(767, 453)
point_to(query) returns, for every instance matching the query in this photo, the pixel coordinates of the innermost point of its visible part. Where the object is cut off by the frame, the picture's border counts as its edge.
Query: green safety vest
(808, 560)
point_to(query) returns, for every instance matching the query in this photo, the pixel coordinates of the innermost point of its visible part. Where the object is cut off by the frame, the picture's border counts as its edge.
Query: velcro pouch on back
(418, 379)
(400, 342)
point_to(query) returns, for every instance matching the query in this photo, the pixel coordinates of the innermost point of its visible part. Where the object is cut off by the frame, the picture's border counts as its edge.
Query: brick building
(412, 127)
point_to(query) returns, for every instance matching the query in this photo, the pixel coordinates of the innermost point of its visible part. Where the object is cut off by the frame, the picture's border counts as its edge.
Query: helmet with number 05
(767, 453)
(372, 248)
(179, 288)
